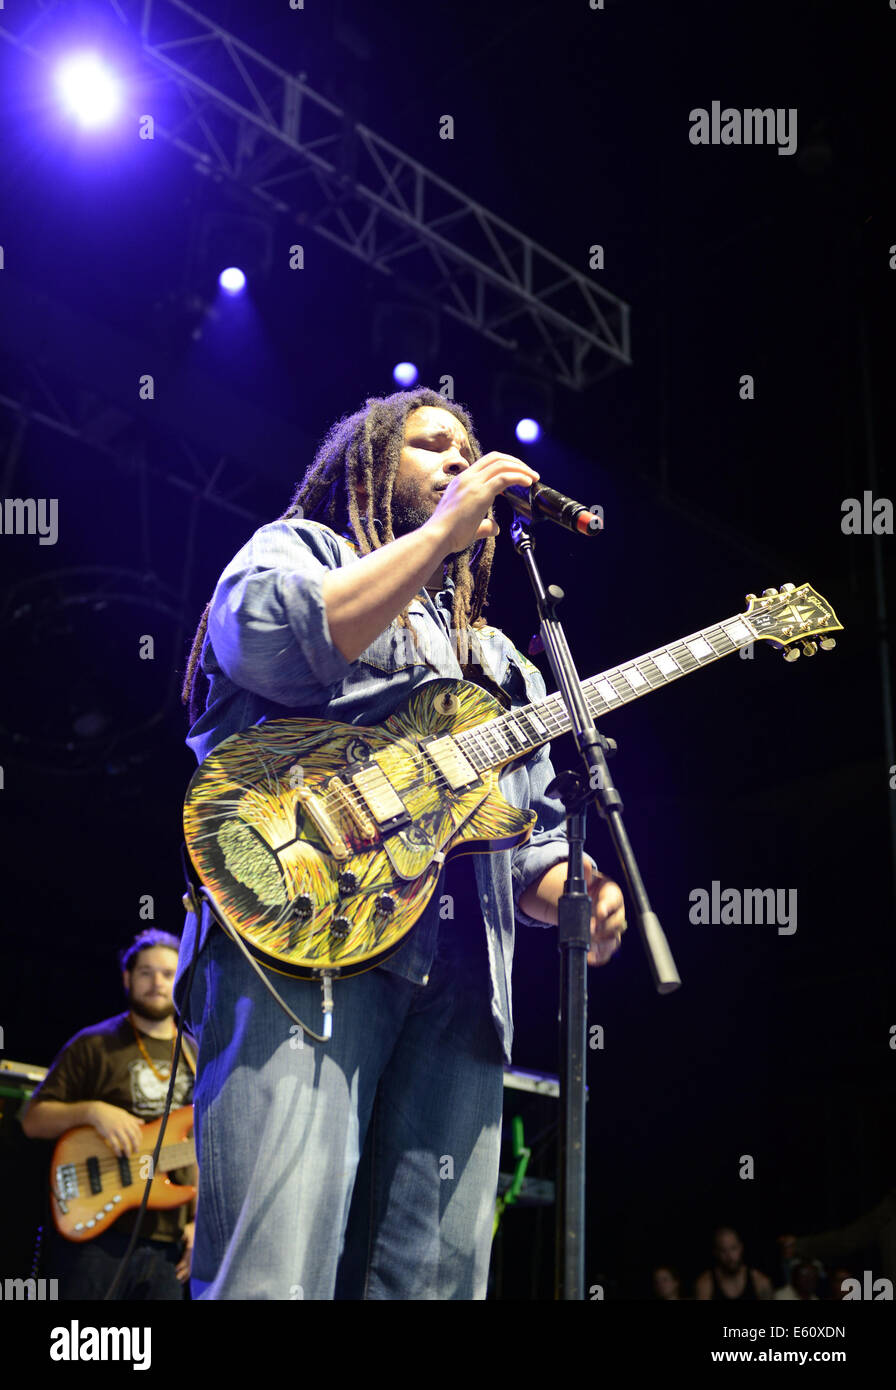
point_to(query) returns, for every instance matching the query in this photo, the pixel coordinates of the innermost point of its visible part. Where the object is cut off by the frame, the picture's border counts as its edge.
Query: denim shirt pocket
(398, 652)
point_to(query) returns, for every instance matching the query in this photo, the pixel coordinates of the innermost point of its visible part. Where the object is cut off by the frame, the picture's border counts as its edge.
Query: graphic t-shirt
(105, 1063)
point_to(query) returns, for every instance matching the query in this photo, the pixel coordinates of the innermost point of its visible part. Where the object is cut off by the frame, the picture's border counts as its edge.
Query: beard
(147, 1008)
(412, 508)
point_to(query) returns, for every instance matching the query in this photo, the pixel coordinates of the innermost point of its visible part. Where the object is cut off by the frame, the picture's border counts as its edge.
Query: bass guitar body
(90, 1187)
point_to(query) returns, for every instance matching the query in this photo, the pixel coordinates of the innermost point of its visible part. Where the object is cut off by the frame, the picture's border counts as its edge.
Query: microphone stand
(574, 918)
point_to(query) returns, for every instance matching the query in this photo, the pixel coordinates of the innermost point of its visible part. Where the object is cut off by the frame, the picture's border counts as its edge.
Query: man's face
(665, 1284)
(148, 984)
(728, 1251)
(436, 448)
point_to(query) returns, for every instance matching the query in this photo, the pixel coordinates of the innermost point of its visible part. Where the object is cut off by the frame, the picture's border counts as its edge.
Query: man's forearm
(47, 1119)
(361, 600)
(541, 898)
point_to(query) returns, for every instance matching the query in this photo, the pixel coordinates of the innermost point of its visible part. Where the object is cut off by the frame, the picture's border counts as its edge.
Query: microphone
(540, 501)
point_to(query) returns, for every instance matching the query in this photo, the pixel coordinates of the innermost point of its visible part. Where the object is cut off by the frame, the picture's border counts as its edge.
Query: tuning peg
(792, 654)
(787, 588)
(810, 648)
(769, 593)
(827, 643)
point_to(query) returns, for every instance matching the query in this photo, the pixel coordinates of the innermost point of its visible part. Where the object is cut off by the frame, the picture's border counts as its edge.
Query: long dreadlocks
(364, 450)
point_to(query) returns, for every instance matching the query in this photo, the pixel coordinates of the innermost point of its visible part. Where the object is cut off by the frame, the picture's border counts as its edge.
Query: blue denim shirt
(269, 655)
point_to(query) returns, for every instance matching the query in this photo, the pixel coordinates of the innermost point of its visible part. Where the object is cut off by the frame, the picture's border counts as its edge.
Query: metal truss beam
(76, 375)
(241, 117)
(33, 398)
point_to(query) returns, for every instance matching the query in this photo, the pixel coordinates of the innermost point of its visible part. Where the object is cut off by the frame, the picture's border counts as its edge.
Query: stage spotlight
(405, 374)
(405, 334)
(232, 280)
(240, 243)
(88, 90)
(526, 398)
(528, 431)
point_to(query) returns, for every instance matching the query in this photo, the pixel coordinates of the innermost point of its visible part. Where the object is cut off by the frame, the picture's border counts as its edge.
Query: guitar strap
(478, 676)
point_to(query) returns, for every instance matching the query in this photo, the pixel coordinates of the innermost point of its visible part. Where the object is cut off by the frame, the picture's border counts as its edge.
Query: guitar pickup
(450, 761)
(379, 796)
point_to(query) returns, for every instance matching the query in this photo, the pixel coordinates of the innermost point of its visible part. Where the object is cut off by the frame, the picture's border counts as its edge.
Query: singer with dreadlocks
(366, 1166)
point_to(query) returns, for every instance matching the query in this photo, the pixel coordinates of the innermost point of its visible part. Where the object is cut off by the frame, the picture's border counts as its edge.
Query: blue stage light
(405, 374)
(528, 431)
(232, 280)
(88, 89)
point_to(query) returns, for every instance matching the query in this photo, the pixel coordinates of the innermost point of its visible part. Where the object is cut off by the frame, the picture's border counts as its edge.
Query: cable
(326, 976)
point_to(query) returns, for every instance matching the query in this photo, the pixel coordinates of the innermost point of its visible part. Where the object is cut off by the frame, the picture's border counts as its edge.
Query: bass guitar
(90, 1187)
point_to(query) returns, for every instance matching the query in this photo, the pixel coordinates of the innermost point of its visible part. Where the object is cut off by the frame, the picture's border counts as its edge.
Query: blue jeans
(406, 1097)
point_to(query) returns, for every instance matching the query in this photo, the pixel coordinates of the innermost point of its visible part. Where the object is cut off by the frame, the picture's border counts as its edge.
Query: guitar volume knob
(347, 882)
(385, 903)
(302, 907)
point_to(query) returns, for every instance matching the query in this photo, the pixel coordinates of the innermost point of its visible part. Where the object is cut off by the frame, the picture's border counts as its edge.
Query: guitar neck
(510, 736)
(176, 1155)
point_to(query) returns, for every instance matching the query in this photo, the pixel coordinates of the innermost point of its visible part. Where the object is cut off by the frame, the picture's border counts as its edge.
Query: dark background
(573, 126)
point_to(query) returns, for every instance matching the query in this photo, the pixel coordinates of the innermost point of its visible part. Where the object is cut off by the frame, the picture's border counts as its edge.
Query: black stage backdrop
(739, 262)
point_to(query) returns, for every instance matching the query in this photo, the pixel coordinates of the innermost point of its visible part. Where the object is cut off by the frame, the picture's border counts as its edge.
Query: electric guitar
(321, 843)
(90, 1187)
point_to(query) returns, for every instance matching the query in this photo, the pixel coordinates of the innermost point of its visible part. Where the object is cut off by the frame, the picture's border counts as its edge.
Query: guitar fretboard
(510, 736)
(176, 1155)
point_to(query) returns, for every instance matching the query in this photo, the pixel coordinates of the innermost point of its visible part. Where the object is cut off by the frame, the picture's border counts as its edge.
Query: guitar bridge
(329, 831)
(351, 807)
(67, 1188)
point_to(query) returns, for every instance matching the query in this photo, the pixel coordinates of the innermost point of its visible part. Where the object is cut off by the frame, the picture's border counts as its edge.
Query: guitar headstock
(791, 618)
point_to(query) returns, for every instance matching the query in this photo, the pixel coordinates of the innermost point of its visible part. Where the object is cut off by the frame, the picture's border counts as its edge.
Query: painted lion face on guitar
(321, 843)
